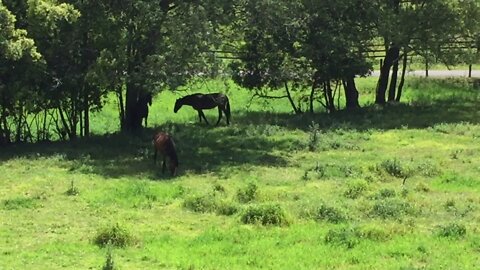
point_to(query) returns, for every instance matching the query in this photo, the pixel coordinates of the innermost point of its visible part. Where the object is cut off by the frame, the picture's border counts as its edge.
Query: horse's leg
(199, 116)
(155, 157)
(204, 118)
(219, 115)
(164, 165)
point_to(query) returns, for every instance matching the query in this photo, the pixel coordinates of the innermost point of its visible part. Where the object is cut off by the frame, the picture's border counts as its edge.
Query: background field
(381, 188)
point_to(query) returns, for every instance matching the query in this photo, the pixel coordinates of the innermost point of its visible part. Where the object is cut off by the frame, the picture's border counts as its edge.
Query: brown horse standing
(206, 101)
(163, 143)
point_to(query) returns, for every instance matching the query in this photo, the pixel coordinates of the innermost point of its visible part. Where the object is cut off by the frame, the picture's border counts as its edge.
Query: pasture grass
(394, 187)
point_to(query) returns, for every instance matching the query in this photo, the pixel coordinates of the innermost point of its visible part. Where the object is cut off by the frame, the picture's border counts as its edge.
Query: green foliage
(109, 262)
(356, 188)
(452, 230)
(19, 203)
(314, 136)
(344, 236)
(329, 214)
(266, 214)
(247, 194)
(391, 208)
(393, 167)
(226, 208)
(72, 190)
(201, 204)
(115, 236)
(384, 193)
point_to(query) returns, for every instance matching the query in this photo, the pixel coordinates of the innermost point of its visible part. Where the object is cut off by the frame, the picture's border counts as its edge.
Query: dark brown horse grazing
(141, 107)
(163, 143)
(206, 101)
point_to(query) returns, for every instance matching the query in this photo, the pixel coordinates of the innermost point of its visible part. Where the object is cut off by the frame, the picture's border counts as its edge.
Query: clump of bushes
(201, 203)
(347, 237)
(247, 194)
(356, 188)
(109, 262)
(72, 190)
(393, 167)
(391, 208)
(115, 236)
(452, 230)
(314, 136)
(329, 214)
(226, 208)
(384, 193)
(267, 214)
(19, 203)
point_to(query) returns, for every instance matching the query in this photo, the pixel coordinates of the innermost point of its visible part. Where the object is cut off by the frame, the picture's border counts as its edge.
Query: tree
(426, 28)
(309, 45)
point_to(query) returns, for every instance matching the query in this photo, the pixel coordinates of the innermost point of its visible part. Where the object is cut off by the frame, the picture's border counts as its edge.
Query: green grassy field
(381, 188)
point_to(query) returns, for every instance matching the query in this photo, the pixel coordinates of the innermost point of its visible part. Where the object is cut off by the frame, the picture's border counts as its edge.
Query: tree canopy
(60, 59)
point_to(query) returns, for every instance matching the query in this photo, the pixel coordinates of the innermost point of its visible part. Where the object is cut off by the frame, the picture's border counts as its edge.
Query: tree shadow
(254, 138)
(200, 149)
(415, 115)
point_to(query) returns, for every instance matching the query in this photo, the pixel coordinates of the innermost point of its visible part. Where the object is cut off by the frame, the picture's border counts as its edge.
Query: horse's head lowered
(178, 105)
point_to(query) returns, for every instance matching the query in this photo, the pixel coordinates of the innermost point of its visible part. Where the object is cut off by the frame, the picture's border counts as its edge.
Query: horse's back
(162, 141)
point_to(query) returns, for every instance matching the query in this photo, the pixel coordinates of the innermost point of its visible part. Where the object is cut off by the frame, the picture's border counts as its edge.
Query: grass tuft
(267, 214)
(115, 236)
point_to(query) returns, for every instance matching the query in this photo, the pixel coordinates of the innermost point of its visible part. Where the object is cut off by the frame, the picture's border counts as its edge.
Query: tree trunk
(121, 108)
(86, 116)
(289, 96)
(391, 55)
(312, 94)
(351, 93)
(402, 79)
(132, 121)
(393, 81)
(330, 101)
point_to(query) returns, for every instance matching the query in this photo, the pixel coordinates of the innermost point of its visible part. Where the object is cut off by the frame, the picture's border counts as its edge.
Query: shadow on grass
(252, 140)
(200, 149)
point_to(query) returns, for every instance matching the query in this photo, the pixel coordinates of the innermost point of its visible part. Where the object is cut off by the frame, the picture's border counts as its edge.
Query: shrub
(391, 208)
(393, 167)
(226, 208)
(373, 233)
(450, 205)
(342, 236)
(384, 193)
(314, 136)
(109, 263)
(452, 230)
(268, 214)
(330, 214)
(422, 187)
(247, 194)
(355, 188)
(218, 188)
(200, 204)
(115, 236)
(72, 190)
(18, 203)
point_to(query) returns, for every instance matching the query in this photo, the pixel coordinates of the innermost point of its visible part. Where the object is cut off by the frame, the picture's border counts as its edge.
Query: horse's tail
(227, 109)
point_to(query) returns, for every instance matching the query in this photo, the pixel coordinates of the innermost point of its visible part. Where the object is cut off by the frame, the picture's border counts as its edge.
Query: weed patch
(391, 208)
(115, 236)
(267, 214)
(329, 214)
(248, 193)
(201, 204)
(356, 188)
(20, 203)
(453, 230)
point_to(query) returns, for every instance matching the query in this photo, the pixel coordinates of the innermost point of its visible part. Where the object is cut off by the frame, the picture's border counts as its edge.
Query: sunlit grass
(381, 188)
